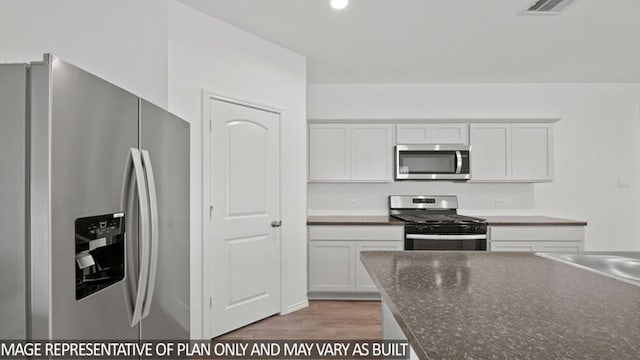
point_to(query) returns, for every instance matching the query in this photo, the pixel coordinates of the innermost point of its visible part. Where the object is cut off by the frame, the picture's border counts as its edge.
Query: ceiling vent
(547, 7)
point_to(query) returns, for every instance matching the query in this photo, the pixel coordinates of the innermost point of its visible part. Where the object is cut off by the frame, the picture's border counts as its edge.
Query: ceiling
(420, 41)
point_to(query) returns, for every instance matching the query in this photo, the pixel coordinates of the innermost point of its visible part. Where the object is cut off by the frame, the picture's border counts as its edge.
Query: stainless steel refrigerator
(94, 209)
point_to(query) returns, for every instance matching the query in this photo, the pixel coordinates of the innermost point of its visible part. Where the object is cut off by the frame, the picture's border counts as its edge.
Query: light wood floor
(322, 320)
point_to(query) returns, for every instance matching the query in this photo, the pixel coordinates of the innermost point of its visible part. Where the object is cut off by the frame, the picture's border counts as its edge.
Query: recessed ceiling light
(339, 4)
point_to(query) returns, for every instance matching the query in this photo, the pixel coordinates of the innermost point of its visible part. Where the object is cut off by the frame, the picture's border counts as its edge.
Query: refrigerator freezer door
(89, 131)
(13, 127)
(166, 138)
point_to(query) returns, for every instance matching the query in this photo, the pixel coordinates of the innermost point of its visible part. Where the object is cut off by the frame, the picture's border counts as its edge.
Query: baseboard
(295, 307)
(356, 296)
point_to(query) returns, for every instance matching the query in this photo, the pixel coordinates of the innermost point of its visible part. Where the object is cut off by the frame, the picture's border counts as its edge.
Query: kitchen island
(479, 305)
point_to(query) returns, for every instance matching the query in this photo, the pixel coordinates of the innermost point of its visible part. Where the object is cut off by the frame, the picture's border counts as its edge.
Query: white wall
(122, 41)
(205, 53)
(167, 53)
(597, 150)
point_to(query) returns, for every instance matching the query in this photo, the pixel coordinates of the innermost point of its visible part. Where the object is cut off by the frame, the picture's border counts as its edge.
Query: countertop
(353, 220)
(478, 305)
(534, 220)
(492, 220)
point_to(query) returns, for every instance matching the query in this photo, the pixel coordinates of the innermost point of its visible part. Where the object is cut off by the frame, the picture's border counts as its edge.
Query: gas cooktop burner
(439, 219)
(433, 223)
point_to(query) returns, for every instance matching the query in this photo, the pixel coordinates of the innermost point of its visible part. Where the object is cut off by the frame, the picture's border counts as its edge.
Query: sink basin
(621, 266)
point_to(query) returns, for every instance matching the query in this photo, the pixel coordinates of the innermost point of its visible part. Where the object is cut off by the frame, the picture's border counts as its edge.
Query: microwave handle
(458, 162)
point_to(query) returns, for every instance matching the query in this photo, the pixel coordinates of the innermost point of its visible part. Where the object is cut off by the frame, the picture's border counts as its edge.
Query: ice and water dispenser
(100, 257)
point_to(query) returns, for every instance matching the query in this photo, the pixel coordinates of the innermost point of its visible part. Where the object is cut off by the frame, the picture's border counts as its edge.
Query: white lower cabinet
(363, 280)
(331, 266)
(335, 269)
(537, 238)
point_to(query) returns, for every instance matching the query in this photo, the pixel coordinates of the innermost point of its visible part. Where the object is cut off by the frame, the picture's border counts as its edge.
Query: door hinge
(210, 302)
(209, 124)
(210, 211)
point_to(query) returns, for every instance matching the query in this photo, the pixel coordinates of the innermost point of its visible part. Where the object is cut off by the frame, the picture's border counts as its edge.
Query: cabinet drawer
(363, 232)
(537, 233)
(519, 246)
(561, 246)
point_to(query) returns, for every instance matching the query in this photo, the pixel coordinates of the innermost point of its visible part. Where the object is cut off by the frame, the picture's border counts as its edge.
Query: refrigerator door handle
(135, 171)
(153, 209)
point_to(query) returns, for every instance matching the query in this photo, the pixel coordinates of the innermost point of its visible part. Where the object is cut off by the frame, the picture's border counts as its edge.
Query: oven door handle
(446, 237)
(458, 162)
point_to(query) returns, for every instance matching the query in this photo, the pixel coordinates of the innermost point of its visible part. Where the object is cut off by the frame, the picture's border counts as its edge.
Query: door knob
(276, 223)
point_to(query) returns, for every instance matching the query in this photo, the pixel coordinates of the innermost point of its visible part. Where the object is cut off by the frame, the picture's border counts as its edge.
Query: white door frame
(207, 268)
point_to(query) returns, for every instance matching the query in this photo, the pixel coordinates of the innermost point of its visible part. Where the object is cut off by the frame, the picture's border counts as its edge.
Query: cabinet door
(331, 266)
(450, 133)
(514, 246)
(568, 246)
(363, 280)
(371, 152)
(532, 152)
(491, 152)
(413, 134)
(432, 134)
(329, 156)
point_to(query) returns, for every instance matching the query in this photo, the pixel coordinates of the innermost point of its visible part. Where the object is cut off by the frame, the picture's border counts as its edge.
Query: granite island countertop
(478, 305)
(533, 220)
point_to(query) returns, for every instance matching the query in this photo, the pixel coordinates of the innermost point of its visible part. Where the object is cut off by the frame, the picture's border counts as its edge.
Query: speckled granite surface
(353, 220)
(478, 305)
(492, 220)
(530, 221)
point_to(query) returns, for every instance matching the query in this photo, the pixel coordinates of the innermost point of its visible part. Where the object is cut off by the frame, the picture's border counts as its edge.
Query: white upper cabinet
(363, 152)
(490, 152)
(350, 152)
(329, 152)
(450, 134)
(428, 133)
(371, 152)
(413, 134)
(532, 152)
(512, 152)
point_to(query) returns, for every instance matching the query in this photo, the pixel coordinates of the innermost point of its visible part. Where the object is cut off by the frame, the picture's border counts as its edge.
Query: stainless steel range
(433, 223)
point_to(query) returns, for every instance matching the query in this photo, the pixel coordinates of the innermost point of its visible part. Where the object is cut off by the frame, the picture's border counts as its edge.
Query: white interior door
(245, 184)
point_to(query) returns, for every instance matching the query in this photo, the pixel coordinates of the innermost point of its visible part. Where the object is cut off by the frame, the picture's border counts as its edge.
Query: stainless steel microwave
(433, 162)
